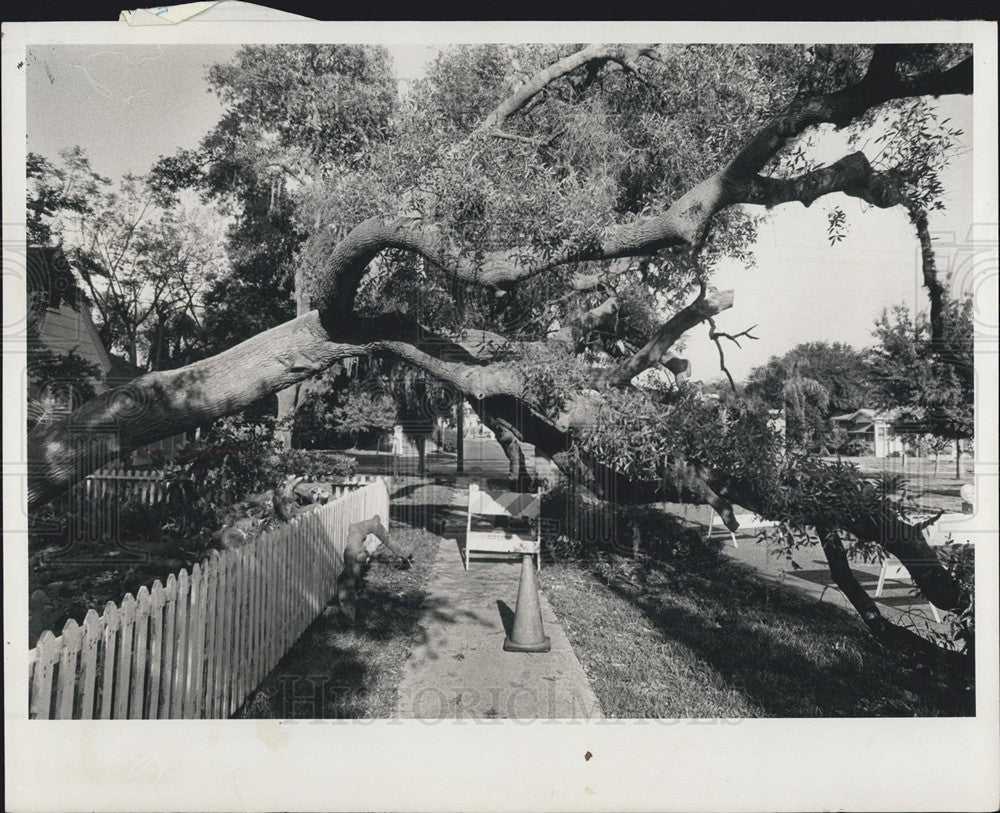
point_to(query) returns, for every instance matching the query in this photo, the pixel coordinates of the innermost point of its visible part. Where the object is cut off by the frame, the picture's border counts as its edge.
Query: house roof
(864, 415)
(59, 310)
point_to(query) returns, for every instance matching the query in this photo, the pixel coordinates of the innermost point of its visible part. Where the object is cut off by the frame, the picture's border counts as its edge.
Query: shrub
(449, 439)
(857, 447)
(233, 458)
(315, 465)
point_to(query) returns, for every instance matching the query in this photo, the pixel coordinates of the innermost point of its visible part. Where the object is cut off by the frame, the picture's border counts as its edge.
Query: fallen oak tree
(160, 404)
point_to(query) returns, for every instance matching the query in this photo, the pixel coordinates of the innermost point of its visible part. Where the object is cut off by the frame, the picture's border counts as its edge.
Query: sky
(126, 106)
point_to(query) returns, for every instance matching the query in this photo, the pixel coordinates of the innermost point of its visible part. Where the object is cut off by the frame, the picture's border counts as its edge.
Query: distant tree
(142, 267)
(342, 408)
(840, 369)
(58, 189)
(929, 382)
(722, 388)
(807, 404)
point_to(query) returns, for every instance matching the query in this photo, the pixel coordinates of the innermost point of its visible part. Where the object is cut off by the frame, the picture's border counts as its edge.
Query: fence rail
(197, 646)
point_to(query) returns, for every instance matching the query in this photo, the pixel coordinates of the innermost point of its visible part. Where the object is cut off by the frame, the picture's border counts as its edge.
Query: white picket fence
(348, 484)
(148, 487)
(198, 646)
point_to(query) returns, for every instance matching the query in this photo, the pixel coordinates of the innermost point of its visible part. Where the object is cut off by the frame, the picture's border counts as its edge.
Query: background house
(60, 321)
(873, 427)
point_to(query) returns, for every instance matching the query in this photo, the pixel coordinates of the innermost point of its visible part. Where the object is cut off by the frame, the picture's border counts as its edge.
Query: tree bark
(460, 436)
(288, 399)
(160, 404)
(883, 630)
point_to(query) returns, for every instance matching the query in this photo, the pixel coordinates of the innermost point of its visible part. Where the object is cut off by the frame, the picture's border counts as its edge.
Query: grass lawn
(662, 642)
(936, 491)
(337, 670)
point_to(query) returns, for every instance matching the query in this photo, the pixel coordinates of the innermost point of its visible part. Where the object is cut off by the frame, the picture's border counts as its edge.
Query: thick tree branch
(591, 55)
(853, 175)
(686, 221)
(879, 85)
(882, 629)
(160, 404)
(887, 528)
(708, 303)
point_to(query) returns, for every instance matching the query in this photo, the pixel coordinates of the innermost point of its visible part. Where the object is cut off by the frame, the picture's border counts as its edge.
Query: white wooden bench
(510, 504)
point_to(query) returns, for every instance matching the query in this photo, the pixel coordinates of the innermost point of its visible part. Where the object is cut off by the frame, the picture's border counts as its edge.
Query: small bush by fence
(197, 646)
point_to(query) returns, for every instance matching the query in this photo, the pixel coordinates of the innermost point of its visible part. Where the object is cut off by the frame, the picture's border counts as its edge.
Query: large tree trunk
(460, 435)
(882, 629)
(903, 540)
(160, 404)
(289, 399)
(288, 402)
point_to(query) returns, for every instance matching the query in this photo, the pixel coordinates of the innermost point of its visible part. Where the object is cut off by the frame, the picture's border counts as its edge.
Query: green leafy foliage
(293, 114)
(927, 392)
(57, 189)
(141, 267)
(339, 410)
(58, 383)
(837, 367)
(315, 465)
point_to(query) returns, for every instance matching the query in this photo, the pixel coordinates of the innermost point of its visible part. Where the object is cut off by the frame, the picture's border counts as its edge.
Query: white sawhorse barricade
(748, 522)
(503, 504)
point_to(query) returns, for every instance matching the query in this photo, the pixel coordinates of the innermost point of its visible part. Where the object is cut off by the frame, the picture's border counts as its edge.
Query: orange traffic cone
(527, 635)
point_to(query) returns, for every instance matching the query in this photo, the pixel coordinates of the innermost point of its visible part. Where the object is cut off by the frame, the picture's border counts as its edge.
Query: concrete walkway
(459, 669)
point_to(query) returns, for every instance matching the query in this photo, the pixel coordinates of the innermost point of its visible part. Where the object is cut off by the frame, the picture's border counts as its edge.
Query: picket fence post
(71, 638)
(157, 603)
(140, 655)
(169, 644)
(92, 626)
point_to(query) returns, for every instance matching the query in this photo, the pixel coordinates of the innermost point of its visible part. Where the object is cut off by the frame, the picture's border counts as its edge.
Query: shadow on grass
(344, 670)
(506, 617)
(787, 655)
